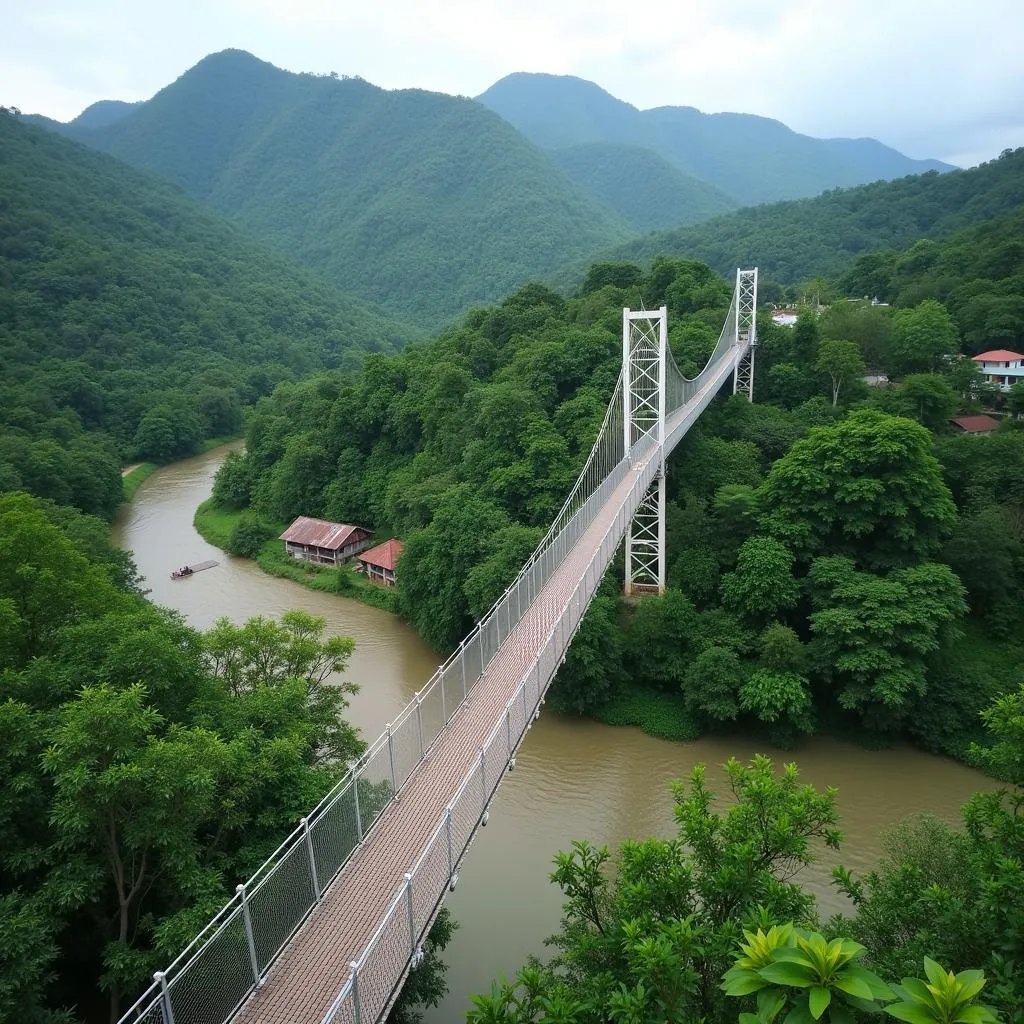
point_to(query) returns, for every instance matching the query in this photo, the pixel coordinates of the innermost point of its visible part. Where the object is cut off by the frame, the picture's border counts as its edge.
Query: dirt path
(128, 469)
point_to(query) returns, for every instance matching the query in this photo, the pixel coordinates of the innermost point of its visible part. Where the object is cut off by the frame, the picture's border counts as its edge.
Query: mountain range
(426, 204)
(749, 159)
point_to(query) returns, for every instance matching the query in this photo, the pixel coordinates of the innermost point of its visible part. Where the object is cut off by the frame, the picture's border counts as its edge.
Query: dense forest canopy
(417, 201)
(148, 767)
(794, 241)
(135, 323)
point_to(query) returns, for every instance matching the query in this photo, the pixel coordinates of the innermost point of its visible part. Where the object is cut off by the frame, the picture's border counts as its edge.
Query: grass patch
(215, 525)
(215, 442)
(130, 483)
(659, 714)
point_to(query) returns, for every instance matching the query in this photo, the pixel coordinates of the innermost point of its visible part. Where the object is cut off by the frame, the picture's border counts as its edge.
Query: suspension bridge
(328, 928)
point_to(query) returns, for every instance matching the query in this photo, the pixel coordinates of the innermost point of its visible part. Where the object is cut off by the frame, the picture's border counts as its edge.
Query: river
(573, 780)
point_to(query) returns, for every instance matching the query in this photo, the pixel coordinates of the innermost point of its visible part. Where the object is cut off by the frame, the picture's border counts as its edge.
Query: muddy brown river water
(573, 780)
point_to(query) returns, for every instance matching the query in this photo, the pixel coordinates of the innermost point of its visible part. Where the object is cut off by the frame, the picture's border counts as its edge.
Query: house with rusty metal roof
(975, 424)
(379, 563)
(324, 542)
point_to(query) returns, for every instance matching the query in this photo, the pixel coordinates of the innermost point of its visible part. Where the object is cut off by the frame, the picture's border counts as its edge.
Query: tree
(922, 338)
(592, 670)
(782, 700)
(129, 803)
(762, 584)
(646, 938)
(842, 361)
(661, 640)
(868, 487)
(712, 685)
(927, 398)
(872, 633)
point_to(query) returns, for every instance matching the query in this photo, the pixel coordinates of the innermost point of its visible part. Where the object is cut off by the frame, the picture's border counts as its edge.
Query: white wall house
(1001, 367)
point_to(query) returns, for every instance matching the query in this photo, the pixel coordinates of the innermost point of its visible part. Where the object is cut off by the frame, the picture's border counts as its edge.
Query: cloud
(931, 77)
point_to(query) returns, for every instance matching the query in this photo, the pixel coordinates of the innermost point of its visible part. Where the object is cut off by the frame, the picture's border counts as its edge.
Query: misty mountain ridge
(428, 204)
(752, 159)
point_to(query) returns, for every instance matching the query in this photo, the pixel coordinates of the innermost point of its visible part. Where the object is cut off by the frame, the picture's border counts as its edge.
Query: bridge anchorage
(331, 924)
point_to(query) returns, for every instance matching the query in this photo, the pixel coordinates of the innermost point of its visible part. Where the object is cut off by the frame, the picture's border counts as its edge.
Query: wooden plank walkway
(308, 975)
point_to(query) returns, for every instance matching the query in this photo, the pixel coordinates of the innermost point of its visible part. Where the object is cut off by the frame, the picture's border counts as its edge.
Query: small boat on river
(190, 570)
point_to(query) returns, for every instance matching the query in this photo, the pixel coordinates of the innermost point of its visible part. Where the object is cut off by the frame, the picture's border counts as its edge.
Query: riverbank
(133, 476)
(217, 525)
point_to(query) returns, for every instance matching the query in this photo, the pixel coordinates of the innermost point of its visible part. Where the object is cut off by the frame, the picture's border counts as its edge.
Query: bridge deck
(302, 984)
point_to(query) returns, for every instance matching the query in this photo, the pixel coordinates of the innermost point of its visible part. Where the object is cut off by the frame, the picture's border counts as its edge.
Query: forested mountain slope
(134, 322)
(642, 187)
(752, 159)
(796, 240)
(421, 202)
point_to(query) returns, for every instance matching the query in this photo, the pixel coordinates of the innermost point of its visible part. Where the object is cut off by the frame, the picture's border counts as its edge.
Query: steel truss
(746, 332)
(644, 347)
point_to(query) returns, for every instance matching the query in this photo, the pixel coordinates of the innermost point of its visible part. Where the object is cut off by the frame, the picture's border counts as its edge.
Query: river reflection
(573, 780)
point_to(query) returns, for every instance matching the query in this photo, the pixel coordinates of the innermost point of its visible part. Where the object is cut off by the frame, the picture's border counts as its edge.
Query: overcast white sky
(940, 78)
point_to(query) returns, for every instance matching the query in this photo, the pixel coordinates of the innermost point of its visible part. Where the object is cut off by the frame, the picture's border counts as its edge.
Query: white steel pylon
(746, 332)
(644, 345)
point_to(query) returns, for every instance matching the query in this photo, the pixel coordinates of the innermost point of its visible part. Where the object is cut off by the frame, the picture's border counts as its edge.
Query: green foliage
(868, 487)
(826, 976)
(644, 189)
(148, 767)
(762, 584)
(134, 324)
(791, 241)
(872, 633)
(646, 936)
(921, 338)
(842, 361)
(424, 202)
(592, 672)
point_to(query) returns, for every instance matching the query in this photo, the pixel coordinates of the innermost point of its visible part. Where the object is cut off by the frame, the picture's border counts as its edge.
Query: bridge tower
(746, 331)
(644, 346)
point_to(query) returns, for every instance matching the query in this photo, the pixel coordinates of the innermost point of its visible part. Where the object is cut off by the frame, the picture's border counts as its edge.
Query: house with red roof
(975, 424)
(1001, 366)
(324, 542)
(379, 563)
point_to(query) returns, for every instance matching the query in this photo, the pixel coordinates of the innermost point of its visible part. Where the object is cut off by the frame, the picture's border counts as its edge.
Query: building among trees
(1001, 366)
(324, 542)
(379, 563)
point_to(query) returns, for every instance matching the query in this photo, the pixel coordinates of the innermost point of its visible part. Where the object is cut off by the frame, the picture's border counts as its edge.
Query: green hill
(642, 187)
(796, 240)
(752, 159)
(978, 274)
(420, 202)
(123, 301)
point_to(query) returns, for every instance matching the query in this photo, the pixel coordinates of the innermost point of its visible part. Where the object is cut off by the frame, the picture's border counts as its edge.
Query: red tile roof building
(317, 540)
(975, 424)
(1001, 366)
(380, 562)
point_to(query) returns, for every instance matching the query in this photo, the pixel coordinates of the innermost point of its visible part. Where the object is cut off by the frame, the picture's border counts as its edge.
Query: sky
(933, 78)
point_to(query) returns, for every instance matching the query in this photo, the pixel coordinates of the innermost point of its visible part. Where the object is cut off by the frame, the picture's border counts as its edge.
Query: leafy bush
(249, 535)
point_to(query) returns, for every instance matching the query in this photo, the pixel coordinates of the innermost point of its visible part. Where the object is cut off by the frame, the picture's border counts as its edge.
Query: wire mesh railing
(229, 959)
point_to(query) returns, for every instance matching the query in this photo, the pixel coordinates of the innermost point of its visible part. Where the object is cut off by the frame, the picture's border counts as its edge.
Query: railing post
(312, 858)
(451, 846)
(419, 722)
(250, 941)
(412, 922)
(483, 782)
(444, 705)
(356, 1006)
(391, 759)
(165, 997)
(462, 664)
(508, 731)
(526, 704)
(359, 818)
